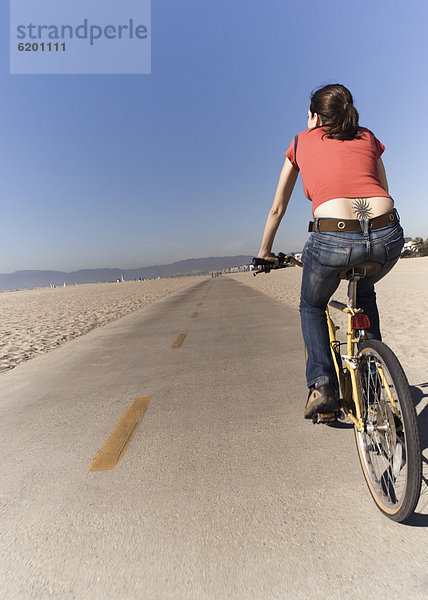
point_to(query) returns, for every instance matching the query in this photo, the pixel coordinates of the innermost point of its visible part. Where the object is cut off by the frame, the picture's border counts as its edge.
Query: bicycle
(374, 394)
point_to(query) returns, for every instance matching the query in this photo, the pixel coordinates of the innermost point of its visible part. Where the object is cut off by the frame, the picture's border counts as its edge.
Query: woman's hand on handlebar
(268, 262)
(271, 258)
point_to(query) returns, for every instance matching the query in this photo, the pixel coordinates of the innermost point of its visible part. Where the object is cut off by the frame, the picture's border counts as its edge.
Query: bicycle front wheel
(389, 447)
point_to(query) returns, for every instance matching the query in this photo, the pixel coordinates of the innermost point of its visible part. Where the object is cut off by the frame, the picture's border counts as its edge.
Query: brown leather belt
(388, 218)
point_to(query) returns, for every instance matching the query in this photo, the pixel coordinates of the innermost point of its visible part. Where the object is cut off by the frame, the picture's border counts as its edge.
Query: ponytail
(339, 117)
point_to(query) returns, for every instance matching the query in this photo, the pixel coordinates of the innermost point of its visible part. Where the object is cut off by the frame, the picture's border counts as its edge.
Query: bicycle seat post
(354, 278)
(354, 274)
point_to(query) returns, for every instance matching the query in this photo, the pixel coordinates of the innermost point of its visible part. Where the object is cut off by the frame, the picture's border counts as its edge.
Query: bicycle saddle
(364, 269)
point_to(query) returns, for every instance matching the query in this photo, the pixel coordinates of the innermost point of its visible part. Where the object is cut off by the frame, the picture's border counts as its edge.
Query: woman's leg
(319, 364)
(319, 282)
(366, 299)
(385, 247)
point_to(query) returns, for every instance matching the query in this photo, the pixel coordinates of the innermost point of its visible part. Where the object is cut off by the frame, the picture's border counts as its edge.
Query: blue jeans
(324, 256)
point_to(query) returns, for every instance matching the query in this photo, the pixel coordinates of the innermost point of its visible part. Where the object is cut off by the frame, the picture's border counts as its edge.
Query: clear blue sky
(128, 171)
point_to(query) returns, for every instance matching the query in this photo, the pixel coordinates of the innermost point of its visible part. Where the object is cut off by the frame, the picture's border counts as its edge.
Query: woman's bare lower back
(354, 208)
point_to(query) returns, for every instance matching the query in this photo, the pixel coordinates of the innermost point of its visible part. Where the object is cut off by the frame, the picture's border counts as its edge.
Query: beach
(38, 320)
(402, 298)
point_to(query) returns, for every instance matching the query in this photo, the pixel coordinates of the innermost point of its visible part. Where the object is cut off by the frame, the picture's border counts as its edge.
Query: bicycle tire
(389, 447)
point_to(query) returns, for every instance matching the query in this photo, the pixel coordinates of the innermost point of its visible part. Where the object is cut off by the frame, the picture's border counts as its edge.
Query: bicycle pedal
(329, 417)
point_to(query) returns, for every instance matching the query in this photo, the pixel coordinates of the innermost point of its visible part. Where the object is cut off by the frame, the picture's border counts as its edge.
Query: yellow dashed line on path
(179, 340)
(118, 441)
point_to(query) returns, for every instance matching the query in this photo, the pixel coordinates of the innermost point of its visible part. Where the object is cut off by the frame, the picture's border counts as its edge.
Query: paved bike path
(225, 491)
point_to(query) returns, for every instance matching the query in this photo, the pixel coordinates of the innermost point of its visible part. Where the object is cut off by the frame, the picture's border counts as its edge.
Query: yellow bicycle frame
(349, 393)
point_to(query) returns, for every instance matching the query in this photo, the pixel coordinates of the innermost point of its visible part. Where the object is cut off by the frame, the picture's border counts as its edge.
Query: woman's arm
(382, 175)
(287, 179)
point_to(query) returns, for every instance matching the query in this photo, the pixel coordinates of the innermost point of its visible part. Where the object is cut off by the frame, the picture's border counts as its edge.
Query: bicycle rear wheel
(389, 447)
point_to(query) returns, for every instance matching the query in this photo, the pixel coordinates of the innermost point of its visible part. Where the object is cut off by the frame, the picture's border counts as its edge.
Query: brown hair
(339, 117)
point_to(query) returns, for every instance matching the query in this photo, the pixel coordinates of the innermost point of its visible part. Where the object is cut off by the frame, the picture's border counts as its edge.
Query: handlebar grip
(261, 262)
(266, 265)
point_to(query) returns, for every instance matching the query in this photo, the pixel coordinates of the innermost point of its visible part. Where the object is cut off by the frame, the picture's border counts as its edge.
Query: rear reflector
(360, 321)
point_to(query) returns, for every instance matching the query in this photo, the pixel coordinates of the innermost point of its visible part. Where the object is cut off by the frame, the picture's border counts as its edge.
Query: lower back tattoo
(362, 208)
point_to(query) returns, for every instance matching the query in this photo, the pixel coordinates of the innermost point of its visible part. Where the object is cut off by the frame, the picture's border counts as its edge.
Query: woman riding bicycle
(354, 221)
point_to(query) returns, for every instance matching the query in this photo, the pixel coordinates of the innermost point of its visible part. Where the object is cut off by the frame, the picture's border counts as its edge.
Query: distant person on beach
(354, 221)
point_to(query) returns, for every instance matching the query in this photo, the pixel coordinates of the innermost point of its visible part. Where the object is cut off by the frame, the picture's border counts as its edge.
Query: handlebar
(266, 265)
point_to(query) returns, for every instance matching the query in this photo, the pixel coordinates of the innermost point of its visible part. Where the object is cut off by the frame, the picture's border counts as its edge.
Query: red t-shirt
(333, 168)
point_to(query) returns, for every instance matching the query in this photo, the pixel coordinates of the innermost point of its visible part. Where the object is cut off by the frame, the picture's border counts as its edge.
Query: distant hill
(193, 266)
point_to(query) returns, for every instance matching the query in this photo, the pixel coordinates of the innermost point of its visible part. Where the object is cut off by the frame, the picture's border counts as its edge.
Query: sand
(402, 300)
(35, 321)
